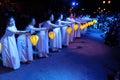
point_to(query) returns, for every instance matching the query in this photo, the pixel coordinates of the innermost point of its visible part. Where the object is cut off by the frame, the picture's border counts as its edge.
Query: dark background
(39, 8)
(89, 5)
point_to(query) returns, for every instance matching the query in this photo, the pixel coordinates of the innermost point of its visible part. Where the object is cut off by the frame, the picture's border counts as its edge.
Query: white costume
(54, 43)
(57, 41)
(77, 33)
(28, 42)
(64, 34)
(24, 48)
(42, 44)
(72, 35)
(9, 48)
(43, 41)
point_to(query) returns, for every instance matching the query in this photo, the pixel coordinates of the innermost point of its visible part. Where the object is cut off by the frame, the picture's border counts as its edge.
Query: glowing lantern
(69, 30)
(85, 25)
(0, 47)
(75, 26)
(89, 24)
(34, 39)
(94, 21)
(51, 35)
(82, 26)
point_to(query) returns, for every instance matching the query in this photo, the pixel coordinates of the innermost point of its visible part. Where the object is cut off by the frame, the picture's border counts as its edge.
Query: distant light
(83, 9)
(103, 2)
(73, 3)
(76, 3)
(109, 2)
(98, 7)
(104, 9)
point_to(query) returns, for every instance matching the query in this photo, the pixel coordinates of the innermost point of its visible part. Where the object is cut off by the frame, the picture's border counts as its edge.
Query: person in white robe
(73, 33)
(64, 35)
(83, 31)
(43, 41)
(52, 43)
(77, 33)
(10, 54)
(42, 46)
(25, 46)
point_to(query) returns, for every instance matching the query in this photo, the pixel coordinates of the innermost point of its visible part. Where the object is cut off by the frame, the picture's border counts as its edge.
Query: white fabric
(71, 37)
(43, 41)
(24, 50)
(65, 36)
(57, 41)
(77, 33)
(9, 49)
(29, 44)
(42, 44)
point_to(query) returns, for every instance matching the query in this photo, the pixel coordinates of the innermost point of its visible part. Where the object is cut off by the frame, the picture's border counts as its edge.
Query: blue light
(76, 3)
(73, 3)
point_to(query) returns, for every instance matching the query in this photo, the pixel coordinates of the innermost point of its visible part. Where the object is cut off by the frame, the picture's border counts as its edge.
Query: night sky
(61, 5)
(39, 8)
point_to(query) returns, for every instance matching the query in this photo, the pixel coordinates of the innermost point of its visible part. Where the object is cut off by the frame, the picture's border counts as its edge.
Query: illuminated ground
(85, 59)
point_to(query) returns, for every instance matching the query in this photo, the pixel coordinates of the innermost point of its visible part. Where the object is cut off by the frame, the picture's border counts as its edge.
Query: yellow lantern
(89, 24)
(51, 35)
(75, 26)
(69, 30)
(94, 21)
(85, 25)
(0, 47)
(34, 39)
(82, 26)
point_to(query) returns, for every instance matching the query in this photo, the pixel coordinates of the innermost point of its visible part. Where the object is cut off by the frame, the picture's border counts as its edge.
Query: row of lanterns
(83, 26)
(51, 34)
(34, 38)
(69, 29)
